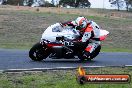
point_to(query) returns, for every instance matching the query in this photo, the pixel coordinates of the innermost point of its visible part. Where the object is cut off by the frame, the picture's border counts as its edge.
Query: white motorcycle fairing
(56, 30)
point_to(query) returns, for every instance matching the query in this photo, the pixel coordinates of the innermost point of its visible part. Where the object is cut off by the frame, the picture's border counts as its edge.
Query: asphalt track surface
(18, 59)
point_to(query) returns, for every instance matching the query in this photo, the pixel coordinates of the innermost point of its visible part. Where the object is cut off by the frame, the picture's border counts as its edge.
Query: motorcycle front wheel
(39, 52)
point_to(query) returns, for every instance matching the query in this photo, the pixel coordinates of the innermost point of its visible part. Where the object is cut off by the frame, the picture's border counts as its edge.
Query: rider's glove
(61, 25)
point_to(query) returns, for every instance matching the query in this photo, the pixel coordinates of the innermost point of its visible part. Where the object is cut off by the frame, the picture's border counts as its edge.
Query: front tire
(39, 52)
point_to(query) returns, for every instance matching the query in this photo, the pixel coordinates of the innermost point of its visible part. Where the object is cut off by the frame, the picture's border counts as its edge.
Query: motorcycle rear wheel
(92, 56)
(39, 52)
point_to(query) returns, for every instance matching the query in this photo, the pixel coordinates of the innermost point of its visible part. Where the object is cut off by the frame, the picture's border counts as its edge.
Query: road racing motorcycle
(59, 42)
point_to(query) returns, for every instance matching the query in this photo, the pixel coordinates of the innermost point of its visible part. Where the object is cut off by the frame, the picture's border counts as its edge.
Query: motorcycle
(59, 42)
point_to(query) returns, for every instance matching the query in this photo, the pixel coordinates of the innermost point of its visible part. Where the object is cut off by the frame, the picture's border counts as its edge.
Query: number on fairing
(66, 43)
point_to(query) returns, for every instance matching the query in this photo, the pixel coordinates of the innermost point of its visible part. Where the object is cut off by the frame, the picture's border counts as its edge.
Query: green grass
(59, 78)
(22, 29)
(16, 46)
(108, 49)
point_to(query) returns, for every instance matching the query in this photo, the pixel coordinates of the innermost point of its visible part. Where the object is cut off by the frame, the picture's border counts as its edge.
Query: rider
(89, 31)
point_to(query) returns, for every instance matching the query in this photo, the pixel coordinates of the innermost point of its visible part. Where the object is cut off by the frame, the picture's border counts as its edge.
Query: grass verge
(59, 78)
(22, 29)
(108, 49)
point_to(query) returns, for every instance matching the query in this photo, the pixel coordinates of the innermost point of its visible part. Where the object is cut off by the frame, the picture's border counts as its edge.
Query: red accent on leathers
(89, 28)
(88, 49)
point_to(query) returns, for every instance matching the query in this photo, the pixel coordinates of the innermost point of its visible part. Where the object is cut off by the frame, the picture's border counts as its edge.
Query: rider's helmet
(81, 22)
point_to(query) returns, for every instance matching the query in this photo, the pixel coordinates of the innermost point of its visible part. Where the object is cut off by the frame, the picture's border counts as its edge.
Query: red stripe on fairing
(51, 45)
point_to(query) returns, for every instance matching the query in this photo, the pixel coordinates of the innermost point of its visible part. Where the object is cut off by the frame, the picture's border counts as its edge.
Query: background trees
(16, 2)
(117, 3)
(75, 3)
(71, 3)
(128, 5)
(120, 3)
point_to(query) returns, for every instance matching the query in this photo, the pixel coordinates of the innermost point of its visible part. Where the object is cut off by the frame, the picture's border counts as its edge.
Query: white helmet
(81, 22)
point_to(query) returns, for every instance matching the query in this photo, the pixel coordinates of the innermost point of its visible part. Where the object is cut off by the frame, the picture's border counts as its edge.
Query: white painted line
(65, 67)
(93, 66)
(1, 71)
(128, 65)
(40, 68)
(44, 69)
(32, 69)
(56, 68)
(18, 69)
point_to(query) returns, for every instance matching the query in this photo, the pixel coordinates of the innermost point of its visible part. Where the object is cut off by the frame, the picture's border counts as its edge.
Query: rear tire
(39, 52)
(96, 52)
(92, 55)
